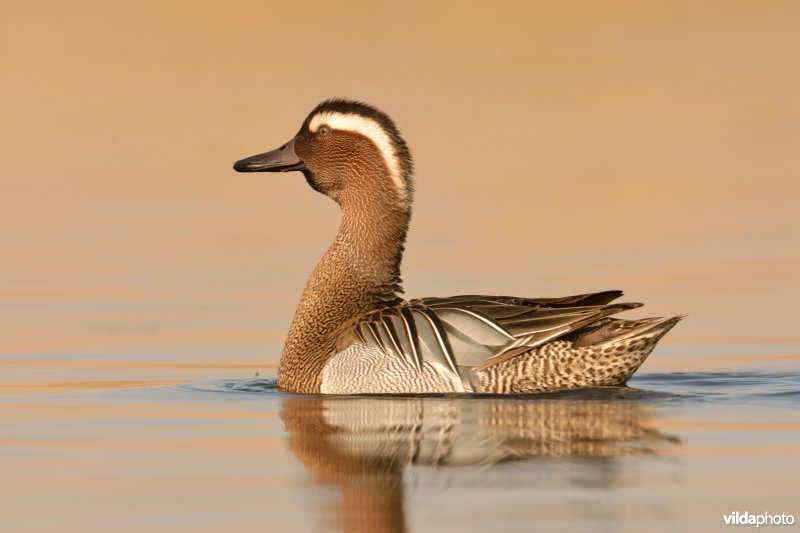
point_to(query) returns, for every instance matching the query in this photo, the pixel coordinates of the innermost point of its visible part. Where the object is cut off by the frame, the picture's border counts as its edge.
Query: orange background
(566, 148)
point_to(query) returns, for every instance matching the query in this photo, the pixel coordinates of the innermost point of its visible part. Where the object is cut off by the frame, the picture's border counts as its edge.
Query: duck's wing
(475, 331)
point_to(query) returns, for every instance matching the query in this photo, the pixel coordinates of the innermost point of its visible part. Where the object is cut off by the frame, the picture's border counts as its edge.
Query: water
(672, 450)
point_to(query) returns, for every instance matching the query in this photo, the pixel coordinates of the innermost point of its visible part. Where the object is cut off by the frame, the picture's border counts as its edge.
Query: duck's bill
(281, 160)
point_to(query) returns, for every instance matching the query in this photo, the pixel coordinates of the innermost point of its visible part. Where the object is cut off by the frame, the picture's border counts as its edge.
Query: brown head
(345, 149)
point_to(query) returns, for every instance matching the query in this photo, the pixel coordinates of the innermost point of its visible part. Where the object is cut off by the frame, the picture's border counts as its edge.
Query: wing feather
(389, 322)
(475, 331)
(413, 337)
(475, 324)
(441, 337)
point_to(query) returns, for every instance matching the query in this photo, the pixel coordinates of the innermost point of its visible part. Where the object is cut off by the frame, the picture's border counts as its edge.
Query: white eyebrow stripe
(369, 129)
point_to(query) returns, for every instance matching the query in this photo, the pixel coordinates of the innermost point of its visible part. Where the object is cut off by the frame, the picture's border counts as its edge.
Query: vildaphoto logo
(764, 519)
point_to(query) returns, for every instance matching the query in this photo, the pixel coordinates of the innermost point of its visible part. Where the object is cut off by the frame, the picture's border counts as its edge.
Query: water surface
(160, 452)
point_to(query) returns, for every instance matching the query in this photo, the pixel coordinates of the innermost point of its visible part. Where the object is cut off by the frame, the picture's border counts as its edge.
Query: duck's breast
(364, 369)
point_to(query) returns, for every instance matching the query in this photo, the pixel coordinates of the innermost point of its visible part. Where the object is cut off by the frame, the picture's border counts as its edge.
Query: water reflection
(363, 444)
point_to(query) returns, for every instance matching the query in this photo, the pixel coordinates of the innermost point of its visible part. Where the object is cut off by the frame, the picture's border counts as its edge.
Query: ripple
(698, 387)
(728, 386)
(269, 386)
(253, 385)
(260, 386)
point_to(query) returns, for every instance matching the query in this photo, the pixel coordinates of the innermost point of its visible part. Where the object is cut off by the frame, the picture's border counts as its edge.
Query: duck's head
(345, 149)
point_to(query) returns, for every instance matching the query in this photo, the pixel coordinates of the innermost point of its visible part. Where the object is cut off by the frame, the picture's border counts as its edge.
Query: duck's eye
(323, 131)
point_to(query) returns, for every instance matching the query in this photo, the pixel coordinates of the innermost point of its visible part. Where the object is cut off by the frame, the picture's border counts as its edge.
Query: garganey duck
(352, 331)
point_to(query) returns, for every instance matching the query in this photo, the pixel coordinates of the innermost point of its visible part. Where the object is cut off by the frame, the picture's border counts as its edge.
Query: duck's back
(492, 344)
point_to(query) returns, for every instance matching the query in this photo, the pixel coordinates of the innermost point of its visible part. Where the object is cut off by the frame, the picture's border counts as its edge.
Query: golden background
(560, 148)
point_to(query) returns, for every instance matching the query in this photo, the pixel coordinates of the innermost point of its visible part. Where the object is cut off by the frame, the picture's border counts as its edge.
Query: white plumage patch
(369, 129)
(362, 369)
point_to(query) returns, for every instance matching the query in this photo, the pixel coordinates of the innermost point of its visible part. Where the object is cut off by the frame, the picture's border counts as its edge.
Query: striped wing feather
(478, 331)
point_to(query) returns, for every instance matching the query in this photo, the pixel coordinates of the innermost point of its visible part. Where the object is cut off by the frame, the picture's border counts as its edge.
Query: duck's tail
(606, 354)
(611, 330)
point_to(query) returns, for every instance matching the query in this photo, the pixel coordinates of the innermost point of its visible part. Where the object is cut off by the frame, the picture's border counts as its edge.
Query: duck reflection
(363, 444)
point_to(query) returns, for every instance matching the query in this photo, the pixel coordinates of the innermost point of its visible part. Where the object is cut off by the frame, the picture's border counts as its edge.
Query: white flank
(369, 129)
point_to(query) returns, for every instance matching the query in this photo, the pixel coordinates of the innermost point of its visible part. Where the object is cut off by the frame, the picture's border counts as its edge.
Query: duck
(353, 331)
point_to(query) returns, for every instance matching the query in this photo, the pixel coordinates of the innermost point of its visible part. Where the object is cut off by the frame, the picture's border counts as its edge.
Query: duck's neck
(359, 272)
